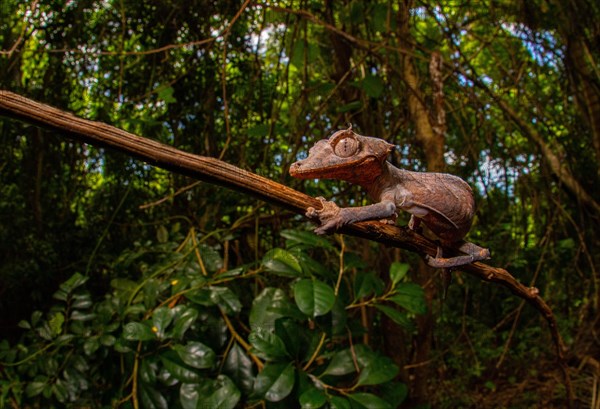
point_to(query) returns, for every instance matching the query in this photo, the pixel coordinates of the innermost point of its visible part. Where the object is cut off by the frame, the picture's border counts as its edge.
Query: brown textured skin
(442, 202)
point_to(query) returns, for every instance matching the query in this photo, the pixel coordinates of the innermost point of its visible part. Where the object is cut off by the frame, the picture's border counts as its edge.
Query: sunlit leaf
(282, 262)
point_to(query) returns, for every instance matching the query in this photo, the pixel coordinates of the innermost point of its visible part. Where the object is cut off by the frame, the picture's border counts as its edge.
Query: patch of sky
(542, 45)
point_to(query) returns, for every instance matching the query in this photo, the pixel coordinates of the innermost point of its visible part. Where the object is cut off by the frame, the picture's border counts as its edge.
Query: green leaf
(183, 321)
(201, 296)
(312, 398)
(372, 85)
(259, 130)
(264, 312)
(240, 368)
(166, 94)
(220, 393)
(346, 360)
(398, 272)
(34, 388)
(76, 280)
(226, 299)
(91, 345)
(337, 402)
(56, 323)
(313, 297)
(196, 355)
(399, 317)
(367, 284)
(177, 368)
(393, 392)
(162, 234)
(352, 106)
(267, 345)
(411, 297)
(78, 315)
(137, 331)
(151, 398)
(370, 401)
(275, 382)
(282, 262)
(306, 238)
(81, 301)
(161, 319)
(378, 371)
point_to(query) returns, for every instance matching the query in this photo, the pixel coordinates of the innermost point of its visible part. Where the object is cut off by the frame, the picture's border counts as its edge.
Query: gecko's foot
(328, 216)
(474, 253)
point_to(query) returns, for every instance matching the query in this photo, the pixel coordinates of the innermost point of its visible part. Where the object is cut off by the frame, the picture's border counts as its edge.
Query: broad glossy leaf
(239, 367)
(138, 331)
(313, 297)
(262, 314)
(220, 393)
(378, 371)
(275, 382)
(411, 297)
(226, 299)
(202, 296)
(307, 238)
(337, 402)
(151, 398)
(225, 395)
(196, 354)
(184, 318)
(312, 398)
(398, 272)
(393, 392)
(295, 336)
(177, 368)
(370, 401)
(399, 317)
(161, 319)
(346, 360)
(282, 262)
(267, 345)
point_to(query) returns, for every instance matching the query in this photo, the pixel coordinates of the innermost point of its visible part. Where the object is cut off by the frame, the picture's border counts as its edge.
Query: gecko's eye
(346, 147)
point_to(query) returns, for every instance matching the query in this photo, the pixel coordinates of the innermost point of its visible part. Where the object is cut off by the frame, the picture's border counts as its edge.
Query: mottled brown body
(442, 202)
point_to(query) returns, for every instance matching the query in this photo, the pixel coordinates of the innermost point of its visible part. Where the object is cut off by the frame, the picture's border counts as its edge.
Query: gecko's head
(345, 156)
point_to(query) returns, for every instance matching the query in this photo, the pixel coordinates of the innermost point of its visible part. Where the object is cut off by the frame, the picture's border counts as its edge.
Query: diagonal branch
(221, 173)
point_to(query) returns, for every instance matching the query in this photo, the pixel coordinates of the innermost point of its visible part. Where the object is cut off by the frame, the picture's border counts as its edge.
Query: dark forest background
(124, 285)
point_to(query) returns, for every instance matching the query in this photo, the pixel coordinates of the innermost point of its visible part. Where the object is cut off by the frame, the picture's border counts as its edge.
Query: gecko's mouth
(302, 170)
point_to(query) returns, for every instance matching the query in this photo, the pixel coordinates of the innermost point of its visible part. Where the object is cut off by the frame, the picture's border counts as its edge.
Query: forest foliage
(124, 285)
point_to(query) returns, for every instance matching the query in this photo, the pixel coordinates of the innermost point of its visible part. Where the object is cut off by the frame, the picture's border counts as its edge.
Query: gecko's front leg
(332, 217)
(328, 216)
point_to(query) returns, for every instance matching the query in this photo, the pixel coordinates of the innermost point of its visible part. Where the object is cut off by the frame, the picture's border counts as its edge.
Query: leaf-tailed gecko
(442, 202)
